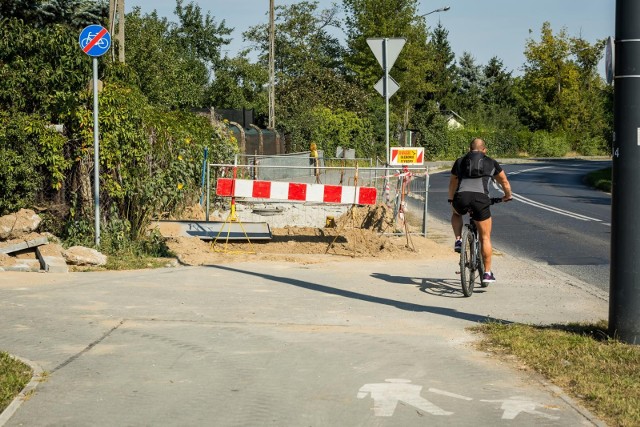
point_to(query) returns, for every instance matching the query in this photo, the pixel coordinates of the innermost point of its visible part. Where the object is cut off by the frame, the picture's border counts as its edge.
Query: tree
(75, 13)
(167, 73)
(548, 80)
(302, 37)
(560, 90)
(25, 10)
(441, 75)
(498, 83)
(308, 65)
(389, 19)
(318, 87)
(38, 65)
(337, 127)
(469, 82)
(239, 84)
(199, 35)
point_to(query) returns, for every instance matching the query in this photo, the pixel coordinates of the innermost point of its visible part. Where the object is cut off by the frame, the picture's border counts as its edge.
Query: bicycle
(471, 261)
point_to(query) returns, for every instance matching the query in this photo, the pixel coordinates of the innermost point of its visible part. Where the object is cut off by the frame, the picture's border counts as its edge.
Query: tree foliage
(332, 128)
(36, 64)
(151, 150)
(150, 159)
(441, 75)
(561, 92)
(31, 159)
(167, 73)
(309, 71)
(199, 35)
(238, 84)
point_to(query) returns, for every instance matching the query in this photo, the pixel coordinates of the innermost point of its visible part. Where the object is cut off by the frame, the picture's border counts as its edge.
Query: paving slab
(337, 342)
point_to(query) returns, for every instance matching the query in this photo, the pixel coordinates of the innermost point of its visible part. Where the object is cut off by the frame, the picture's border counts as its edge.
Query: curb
(36, 378)
(568, 400)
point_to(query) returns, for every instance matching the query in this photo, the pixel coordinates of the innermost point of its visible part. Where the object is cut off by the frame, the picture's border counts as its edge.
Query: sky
(484, 28)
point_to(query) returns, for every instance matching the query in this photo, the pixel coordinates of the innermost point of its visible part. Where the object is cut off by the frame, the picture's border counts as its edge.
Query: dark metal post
(624, 299)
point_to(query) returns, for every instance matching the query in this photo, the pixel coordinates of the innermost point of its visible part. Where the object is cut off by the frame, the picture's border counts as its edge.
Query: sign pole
(386, 97)
(95, 41)
(96, 152)
(386, 51)
(385, 90)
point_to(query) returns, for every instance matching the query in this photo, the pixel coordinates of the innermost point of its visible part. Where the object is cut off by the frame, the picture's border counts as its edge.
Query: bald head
(477, 144)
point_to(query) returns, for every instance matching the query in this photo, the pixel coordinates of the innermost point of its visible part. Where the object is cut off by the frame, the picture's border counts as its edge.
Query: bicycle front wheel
(467, 262)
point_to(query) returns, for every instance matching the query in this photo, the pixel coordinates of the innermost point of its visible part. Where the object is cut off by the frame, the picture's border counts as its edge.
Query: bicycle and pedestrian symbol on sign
(95, 40)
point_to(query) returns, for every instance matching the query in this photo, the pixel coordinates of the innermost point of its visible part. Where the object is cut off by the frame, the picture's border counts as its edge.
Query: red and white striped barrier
(297, 192)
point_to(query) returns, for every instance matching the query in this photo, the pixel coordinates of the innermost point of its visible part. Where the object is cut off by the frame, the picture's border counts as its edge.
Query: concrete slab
(210, 230)
(16, 245)
(51, 259)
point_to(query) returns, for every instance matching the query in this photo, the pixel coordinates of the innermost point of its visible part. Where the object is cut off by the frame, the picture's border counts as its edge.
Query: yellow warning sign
(406, 155)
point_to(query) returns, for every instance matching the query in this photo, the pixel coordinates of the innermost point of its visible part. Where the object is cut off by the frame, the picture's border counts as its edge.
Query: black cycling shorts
(476, 204)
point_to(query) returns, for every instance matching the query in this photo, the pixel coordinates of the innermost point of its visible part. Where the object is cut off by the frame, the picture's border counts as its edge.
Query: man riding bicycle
(469, 193)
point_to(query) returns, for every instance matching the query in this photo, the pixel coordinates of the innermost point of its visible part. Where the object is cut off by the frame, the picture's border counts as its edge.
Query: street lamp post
(442, 9)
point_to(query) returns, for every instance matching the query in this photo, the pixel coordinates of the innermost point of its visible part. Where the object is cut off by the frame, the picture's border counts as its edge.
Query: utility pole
(272, 79)
(624, 294)
(116, 13)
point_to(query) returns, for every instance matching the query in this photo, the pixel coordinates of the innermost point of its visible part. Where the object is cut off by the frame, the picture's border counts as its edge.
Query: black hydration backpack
(473, 165)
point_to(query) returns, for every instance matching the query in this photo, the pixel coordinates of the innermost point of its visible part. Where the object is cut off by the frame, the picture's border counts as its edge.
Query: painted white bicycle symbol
(103, 43)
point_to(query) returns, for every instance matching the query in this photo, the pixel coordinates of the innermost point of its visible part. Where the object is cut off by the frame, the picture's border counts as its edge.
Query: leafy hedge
(32, 160)
(150, 160)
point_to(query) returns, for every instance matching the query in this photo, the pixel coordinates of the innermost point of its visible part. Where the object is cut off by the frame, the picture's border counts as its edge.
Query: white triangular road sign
(394, 46)
(393, 86)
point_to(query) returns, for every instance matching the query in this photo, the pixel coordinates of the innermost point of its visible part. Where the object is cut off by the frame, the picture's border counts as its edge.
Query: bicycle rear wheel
(467, 262)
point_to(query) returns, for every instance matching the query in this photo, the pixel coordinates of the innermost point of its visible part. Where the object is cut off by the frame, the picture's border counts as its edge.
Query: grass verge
(600, 179)
(14, 376)
(602, 373)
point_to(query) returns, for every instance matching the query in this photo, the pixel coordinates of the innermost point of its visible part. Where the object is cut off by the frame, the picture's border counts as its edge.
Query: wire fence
(399, 188)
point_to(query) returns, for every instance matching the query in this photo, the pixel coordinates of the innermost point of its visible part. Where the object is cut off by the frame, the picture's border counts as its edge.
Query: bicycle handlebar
(495, 200)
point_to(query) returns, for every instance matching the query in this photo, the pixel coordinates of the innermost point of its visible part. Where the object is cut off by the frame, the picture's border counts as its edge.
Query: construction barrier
(297, 192)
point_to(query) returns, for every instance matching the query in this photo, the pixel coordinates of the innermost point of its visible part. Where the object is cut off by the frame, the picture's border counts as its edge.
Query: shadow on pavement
(446, 288)
(442, 311)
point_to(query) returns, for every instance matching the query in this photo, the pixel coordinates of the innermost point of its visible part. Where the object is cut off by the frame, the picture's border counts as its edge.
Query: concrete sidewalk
(344, 342)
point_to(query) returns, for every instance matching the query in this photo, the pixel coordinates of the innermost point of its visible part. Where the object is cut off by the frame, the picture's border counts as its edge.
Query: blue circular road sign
(95, 40)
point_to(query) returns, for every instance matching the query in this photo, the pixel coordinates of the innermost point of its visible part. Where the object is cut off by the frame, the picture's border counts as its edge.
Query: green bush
(591, 146)
(31, 160)
(150, 160)
(333, 128)
(545, 144)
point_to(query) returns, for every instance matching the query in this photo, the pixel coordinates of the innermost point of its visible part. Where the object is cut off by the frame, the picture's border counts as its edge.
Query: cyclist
(469, 192)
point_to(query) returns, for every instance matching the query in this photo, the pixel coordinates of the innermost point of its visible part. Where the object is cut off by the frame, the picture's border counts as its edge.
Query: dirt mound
(376, 218)
(362, 232)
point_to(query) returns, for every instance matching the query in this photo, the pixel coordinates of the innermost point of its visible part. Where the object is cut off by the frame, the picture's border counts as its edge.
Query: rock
(16, 225)
(7, 260)
(80, 255)
(32, 265)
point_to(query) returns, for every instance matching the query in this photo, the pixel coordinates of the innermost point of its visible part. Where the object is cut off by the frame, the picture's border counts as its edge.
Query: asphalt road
(555, 218)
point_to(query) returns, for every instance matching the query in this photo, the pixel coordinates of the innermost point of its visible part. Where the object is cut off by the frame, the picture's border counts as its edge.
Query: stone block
(29, 241)
(51, 258)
